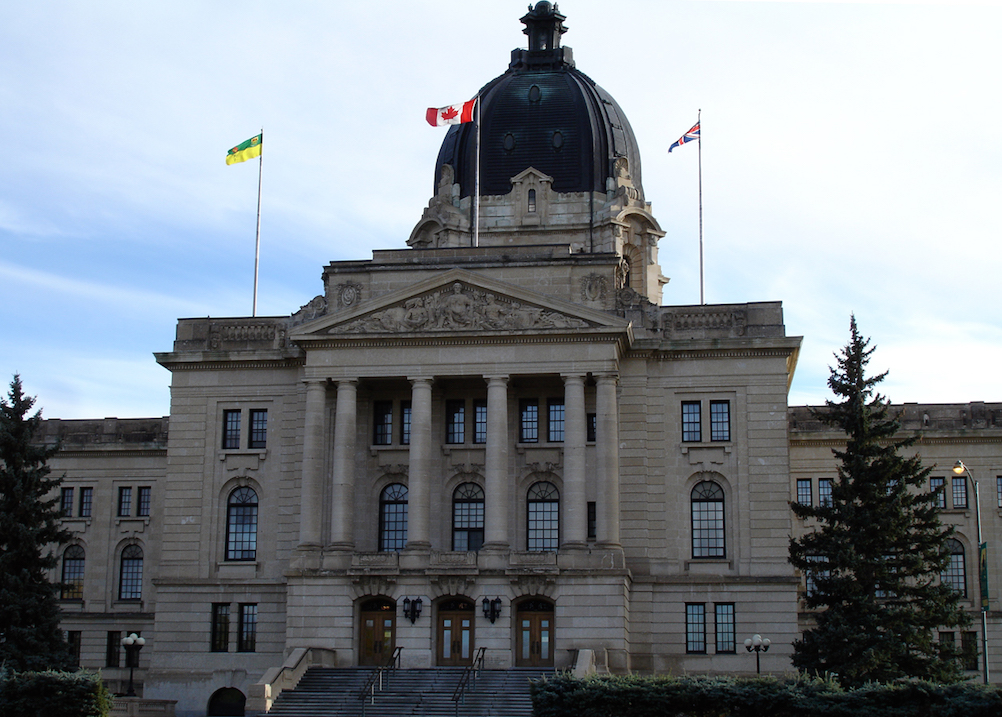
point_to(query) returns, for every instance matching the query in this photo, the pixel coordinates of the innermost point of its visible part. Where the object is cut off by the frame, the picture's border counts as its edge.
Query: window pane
(66, 502)
(468, 517)
(805, 491)
(247, 628)
(969, 648)
(124, 502)
(131, 574)
(707, 520)
(555, 420)
(528, 420)
(382, 423)
(960, 492)
(480, 421)
(113, 649)
(145, 494)
(231, 429)
(955, 574)
(593, 427)
(455, 421)
(691, 422)
(220, 639)
(720, 420)
(73, 573)
(724, 624)
(258, 428)
(543, 517)
(936, 485)
(695, 627)
(86, 502)
(393, 517)
(824, 491)
(241, 525)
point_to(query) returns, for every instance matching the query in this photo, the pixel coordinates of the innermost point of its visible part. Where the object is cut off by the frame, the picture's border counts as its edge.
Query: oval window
(509, 142)
(534, 93)
(558, 140)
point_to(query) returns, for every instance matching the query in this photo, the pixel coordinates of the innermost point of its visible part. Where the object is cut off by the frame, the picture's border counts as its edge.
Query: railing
(468, 681)
(376, 678)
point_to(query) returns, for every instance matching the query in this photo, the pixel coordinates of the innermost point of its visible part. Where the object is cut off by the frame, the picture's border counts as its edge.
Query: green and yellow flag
(245, 150)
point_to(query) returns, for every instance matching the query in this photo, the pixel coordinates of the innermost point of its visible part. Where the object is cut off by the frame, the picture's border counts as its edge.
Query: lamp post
(961, 469)
(757, 644)
(132, 644)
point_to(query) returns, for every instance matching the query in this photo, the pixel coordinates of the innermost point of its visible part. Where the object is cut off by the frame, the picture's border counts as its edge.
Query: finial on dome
(544, 25)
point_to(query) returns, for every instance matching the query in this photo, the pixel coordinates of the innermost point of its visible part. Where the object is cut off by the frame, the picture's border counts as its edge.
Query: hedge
(642, 696)
(53, 694)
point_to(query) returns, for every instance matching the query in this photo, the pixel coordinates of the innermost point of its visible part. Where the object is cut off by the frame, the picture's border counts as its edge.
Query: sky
(851, 164)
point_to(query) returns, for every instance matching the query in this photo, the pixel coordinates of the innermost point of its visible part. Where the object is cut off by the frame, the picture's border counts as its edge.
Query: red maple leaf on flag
(449, 113)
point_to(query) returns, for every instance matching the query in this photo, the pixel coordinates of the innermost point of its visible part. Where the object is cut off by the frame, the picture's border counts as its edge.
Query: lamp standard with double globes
(758, 644)
(132, 644)
(961, 469)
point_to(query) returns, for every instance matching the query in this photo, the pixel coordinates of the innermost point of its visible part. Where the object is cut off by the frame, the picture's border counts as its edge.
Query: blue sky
(852, 162)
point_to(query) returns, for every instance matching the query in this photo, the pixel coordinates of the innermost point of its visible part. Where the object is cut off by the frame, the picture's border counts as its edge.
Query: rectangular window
(592, 520)
(231, 429)
(813, 573)
(720, 420)
(73, 637)
(692, 431)
(124, 502)
(695, 627)
(960, 492)
(220, 638)
(382, 423)
(724, 624)
(455, 421)
(936, 486)
(113, 649)
(258, 428)
(824, 492)
(66, 502)
(998, 490)
(805, 491)
(969, 648)
(86, 502)
(528, 420)
(405, 423)
(593, 430)
(247, 628)
(480, 421)
(145, 494)
(555, 420)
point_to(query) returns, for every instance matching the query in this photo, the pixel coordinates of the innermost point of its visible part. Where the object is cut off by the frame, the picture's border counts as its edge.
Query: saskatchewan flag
(245, 150)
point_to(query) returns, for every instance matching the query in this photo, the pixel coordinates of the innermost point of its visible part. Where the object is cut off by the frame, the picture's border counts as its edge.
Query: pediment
(460, 301)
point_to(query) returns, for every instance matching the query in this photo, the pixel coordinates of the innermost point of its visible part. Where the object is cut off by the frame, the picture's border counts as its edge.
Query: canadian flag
(453, 114)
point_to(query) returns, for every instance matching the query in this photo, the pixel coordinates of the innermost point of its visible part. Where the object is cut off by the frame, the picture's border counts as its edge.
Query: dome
(546, 114)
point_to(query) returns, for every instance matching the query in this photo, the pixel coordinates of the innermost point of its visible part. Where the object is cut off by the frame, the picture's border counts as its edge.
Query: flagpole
(257, 235)
(476, 185)
(699, 142)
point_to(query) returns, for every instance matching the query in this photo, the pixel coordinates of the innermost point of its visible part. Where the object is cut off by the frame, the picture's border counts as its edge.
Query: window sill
(261, 453)
(725, 445)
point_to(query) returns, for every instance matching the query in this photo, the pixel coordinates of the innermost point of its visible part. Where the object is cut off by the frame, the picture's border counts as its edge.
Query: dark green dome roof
(542, 113)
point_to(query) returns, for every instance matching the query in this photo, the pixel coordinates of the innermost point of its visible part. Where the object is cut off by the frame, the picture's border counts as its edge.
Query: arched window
(468, 517)
(955, 574)
(73, 573)
(130, 575)
(707, 520)
(543, 517)
(532, 200)
(393, 517)
(241, 525)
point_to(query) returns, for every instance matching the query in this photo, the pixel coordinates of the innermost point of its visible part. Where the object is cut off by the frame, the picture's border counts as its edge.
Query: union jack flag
(687, 137)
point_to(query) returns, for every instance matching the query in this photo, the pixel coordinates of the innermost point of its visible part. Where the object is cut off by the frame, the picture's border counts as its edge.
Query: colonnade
(422, 464)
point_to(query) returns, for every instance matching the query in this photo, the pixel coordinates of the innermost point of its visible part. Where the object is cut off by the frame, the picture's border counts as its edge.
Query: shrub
(53, 694)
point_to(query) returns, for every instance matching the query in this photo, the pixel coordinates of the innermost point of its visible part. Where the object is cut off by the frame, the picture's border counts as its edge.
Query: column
(607, 447)
(419, 481)
(343, 504)
(311, 494)
(575, 519)
(496, 468)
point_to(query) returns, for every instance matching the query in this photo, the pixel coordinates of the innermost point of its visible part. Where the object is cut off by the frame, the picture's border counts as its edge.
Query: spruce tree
(876, 555)
(30, 637)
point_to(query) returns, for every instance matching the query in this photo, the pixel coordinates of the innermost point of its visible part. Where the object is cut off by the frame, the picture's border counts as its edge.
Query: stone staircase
(327, 692)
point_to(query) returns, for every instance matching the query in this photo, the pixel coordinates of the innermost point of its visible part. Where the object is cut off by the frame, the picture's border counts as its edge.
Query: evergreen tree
(30, 637)
(876, 555)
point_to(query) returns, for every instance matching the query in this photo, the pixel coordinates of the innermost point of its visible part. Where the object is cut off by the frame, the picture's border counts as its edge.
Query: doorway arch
(227, 702)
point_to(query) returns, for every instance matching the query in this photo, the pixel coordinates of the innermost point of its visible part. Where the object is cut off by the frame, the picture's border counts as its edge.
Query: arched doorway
(456, 619)
(534, 633)
(227, 702)
(377, 631)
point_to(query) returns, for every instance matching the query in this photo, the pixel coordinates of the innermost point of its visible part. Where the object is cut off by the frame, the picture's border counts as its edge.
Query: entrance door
(534, 623)
(378, 631)
(455, 632)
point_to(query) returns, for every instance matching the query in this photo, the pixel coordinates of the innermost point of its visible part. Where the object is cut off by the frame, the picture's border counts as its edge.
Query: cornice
(180, 364)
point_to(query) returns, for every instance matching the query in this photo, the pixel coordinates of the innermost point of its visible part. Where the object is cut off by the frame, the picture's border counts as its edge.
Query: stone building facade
(498, 439)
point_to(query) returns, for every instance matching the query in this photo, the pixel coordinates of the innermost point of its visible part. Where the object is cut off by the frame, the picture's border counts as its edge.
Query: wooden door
(456, 632)
(378, 632)
(534, 625)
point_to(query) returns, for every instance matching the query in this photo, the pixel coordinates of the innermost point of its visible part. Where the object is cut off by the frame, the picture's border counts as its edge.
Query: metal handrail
(369, 691)
(469, 677)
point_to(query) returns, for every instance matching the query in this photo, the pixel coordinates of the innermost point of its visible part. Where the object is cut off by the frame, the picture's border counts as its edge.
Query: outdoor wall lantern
(492, 608)
(132, 644)
(757, 644)
(412, 609)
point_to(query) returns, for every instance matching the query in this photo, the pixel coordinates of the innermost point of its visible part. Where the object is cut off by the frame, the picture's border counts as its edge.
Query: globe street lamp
(960, 468)
(132, 644)
(757, 644)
